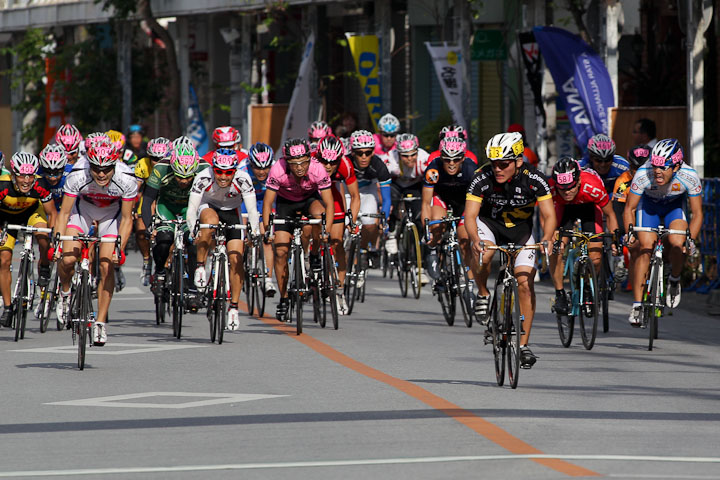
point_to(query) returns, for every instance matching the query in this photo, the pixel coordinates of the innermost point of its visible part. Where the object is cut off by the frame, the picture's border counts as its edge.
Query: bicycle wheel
(299, 287)
(19, 300)
(403, 265)
(566, 322)
(260, 282)
(415, 259)
(220, 312)
(318, 310)
(160, 304)
(498, 338)
(46, 298)
(462, 284)
(178, 293)
(249, 282)
(650, 306)
(605, 287)
(351, 277)
(444, 292)
(513, 331)
(588, 315)
(81, 321)
(330, 285)
(210, 302)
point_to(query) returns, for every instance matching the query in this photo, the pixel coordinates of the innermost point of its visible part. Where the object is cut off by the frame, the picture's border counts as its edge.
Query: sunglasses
(54, 173)
(363, 153)
(453, 160)
(502, 164)
(106, 170)
(662, 167)
(389, 135)
(224, 173)
(300, 163)
(601, 160)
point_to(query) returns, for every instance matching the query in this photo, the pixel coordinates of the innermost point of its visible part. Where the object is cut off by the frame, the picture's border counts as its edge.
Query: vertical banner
(450, 70)
(196, 130)
(298, 114)
(365, 50)
(54, 103)
(533, 72)
(581, 78)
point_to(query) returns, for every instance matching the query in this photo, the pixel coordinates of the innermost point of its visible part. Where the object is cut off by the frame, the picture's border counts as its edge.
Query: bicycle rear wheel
(250, 281)
(403, 265)
(415, 259)
(351, 278)
(513, 329)
(566, 322)
(498, 338)
(444, 292)
(19, 303)
(46, 298)
(604, 289)
(589, 304)
(220, 302)
(650, 307)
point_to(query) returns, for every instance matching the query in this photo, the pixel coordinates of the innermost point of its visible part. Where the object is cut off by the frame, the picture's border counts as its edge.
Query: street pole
(699, 14)
(463, 39)
(184, 67)
(382, 29)
(124, 71)
(613, 11)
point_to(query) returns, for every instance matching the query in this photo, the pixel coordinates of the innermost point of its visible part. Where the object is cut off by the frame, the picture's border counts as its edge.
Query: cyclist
(317, 131)
(504, 193)
(135, 141)
(126, 154)
(372, 174)
(216, 196)
(54, 168)
(293, 185)
(658, 195)
(446, 180)
(23, 201)
(168, 189)
(452, 131)
(68, 137)
(227, 138)
(101, 192)
(389, 127)
(340, 169)
(601, 158)
(578, 194)
(261, 158)
(157, 150)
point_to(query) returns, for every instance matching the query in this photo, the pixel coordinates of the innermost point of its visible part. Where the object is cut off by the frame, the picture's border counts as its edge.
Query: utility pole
(462, 11)
(383, 13)
(124, 71)
(698, 16)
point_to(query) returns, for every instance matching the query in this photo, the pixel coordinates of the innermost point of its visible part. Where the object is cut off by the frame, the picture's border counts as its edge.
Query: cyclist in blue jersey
(54, 168)
(261, 159)
(601, 158)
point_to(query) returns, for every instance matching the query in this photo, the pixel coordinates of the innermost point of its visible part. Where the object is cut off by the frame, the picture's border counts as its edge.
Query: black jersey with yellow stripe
(12, 202)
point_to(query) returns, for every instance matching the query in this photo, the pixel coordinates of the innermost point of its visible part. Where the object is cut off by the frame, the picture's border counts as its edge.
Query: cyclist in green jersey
(168, 191)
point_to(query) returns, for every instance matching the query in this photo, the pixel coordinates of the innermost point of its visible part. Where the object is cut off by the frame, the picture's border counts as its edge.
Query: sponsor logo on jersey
(432, 176)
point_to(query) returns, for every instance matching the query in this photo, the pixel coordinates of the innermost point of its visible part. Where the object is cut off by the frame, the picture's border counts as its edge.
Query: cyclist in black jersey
(499, 209)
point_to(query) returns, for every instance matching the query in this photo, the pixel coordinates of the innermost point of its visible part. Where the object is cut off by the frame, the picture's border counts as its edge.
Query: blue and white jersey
(618, 167)
(685, 182)
(257, 185)
(58, 188)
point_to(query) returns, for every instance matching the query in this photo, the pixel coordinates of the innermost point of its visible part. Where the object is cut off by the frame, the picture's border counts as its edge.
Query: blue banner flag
(196, 126)
(581, 78)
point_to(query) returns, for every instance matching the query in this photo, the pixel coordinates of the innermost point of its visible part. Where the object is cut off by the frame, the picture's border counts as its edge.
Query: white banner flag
(450, 71)
(297, 119)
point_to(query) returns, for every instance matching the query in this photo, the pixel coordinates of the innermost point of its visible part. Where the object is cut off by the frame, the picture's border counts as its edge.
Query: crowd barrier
(709, 238)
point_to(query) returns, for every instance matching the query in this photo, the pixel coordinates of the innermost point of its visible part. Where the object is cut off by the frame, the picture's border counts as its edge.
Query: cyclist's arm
(268, 202)
(192, 210)
(50, 212)
(631, 204)
(697, 215)
(547, 213)
(354, 192)
(329, 201)
(427, 195)
(149, 196)
(64, 214)
(126, 222)
(386, 198)
(251, 206)
(609, 212)
(472, 210)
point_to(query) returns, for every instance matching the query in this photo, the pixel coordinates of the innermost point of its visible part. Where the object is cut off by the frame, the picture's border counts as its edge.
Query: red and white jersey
(411, 176)
(122, 187)
(390, 161)
(344, 173)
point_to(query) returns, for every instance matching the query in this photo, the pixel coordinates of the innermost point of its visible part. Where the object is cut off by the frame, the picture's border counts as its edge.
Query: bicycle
(324, 285)
(82, 314)
(255, 273)
(173, 289)
(409, 262)
(217, 297)
(454, 280)
(653, 300)
(48, 299)
(506, 331)
(24, 292)
(586, 296)
(357, 263)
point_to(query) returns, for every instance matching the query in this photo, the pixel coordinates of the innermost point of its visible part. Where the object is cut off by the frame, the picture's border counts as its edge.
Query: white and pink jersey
(282, 181)
(410, 176)
(122, 187)
(379, 149)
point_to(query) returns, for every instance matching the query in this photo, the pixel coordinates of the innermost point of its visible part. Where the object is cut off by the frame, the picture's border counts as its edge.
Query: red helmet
(68, 136)
(226, 136)
(103, 154)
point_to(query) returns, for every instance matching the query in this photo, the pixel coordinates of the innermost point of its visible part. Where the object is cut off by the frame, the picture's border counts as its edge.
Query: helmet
(24, 163)
(667, 153)
(53, 157)
(389, 123)
(226, 136)
(601, 145)
(330, 150)
(225, 159)
(318, 130)
(184, 161)
(182, 140)
(638, 155)
(362, 139)
(453, 131)
(135, 128)
(159, 148)
(261, 155)
(346, 143)
(566, 173)
(94, 137)
(406, 143)
(295, 148)
(68, 136)
(452, 147)
(117, 138)
(103, 154)
(505, 146)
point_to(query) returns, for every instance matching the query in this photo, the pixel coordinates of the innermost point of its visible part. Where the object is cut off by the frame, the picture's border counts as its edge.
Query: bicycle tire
(588, 331)
(260, 282)
(498, 339)
(318, 309)
(415, 257)
(330, 283)
(221, 301)
(299, 286)
(604, 284)
(210, 313)
(178, 293)
(351, 276)
(46, 294)
(403, 265)
(566, 322)
(18, 299)
(462, 284)
(445, 296)
(651, 308)
(81, 322)
(513, 330)
(249, 282)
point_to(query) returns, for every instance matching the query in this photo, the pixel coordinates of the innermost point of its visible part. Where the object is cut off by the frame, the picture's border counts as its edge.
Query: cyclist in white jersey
(659, 194)
(217, 195)
(102, 191)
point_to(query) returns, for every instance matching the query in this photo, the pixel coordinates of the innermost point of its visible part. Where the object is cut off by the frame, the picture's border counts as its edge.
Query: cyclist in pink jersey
(298, 185)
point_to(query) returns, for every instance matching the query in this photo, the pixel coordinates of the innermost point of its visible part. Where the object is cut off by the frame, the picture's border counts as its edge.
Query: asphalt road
(394, 393)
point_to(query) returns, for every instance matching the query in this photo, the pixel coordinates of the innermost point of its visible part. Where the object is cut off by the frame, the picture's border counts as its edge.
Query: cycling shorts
(439, 202)
(489, 233)
(652, 214)
(290, 209)
(590, 216)
(228, 217)
(340, 204)
(82, 219)
(30, 218)
(368, 205)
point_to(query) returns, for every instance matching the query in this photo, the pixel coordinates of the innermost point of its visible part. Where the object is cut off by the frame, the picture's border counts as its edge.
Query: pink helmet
(226, 136)
(68, 136)
(318, 130)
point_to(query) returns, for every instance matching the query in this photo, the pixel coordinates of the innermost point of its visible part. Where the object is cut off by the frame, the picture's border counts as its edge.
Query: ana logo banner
(365, 51)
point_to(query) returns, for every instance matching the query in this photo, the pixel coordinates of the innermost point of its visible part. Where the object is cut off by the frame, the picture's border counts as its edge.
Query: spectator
(347, 125)
(528, 155)
(644, 132)
(135, 141)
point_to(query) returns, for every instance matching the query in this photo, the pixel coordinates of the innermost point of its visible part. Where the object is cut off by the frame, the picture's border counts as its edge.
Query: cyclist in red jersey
(452, 131)
(578, 194)
(340, 169)
(227, 137)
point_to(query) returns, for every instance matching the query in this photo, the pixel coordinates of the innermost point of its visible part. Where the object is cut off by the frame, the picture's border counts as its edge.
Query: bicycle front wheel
(19, 302)
(351, 278)
(513, 331)
(403, 265)
(415, 259)
(178, 294)
(330, 285)
(220, 312)
(83, 322)
(46, 298)
(589, 304)
(650, 308)
(499, 344)
(299, 287)
(444, 292)
(260, 282)
(462, 285)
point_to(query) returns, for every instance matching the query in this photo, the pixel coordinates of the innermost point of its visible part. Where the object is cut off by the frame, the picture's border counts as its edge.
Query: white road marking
(116, 400)
(109, 349)
(135, 299)
(345, 463)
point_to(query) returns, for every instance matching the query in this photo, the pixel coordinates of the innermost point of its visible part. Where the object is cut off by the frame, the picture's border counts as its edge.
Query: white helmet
(53, 157)
(362, 139)
(24, 163)
(406, 143)
(601, 145)
(505, 146)
(389, 123)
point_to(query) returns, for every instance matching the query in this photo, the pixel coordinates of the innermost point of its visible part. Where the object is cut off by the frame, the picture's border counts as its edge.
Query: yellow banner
(365, 51)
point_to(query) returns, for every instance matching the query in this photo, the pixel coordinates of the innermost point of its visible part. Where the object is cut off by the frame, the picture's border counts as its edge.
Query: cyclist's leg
(646, 216)
(6, 255)
(369, 234)
(438, 210)
(483, 272)
(525, 275)
(676, 220)
(39, 220)
(281, 245)
(235, 248)
(107, 280)
(204, 242)
(466, 248)
(336, 241)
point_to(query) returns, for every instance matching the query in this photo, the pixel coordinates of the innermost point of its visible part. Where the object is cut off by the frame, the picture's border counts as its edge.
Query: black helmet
(566, 173)
(638, 155)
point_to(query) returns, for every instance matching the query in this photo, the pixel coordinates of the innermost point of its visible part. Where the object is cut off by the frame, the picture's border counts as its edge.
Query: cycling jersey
(510, 205)
(143, 168)
(450, 189)
(57, 190)
(172, 200)
(684, 182)
(468, 154)
(13, 202)
(259, 188)
(282, 181)
(344, 173)
(587, 204)
(375, 173)
(379, 148)
(408, 177)
(618, 166)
